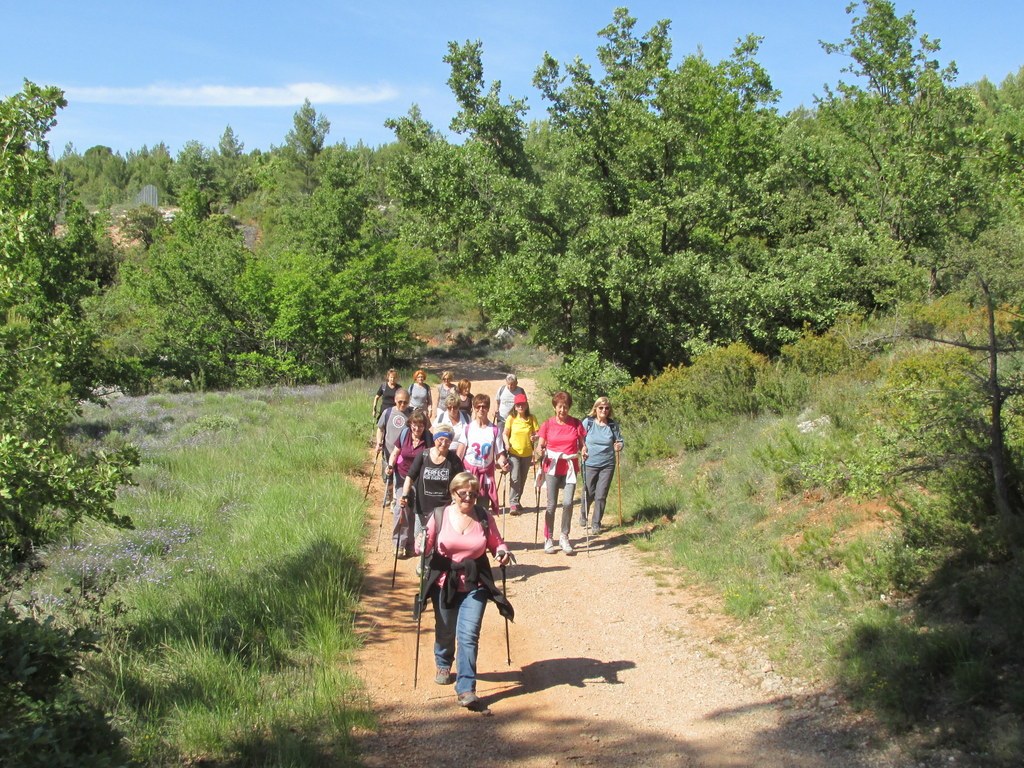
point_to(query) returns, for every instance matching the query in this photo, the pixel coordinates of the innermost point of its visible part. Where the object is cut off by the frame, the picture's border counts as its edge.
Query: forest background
(676, 241)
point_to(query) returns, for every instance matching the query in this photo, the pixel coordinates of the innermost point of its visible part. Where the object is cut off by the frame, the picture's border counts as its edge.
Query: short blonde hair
(464, 480)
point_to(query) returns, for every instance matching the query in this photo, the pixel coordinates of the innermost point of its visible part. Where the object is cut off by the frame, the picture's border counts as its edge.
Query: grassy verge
(226, 615)
(797, 513)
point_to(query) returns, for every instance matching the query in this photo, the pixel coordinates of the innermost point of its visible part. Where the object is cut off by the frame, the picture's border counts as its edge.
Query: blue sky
(140, 73)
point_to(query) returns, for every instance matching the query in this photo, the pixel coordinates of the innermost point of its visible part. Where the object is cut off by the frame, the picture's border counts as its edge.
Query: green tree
(908, 145)
(618, 215)
(305, 141)
(46, 352)
(230, 169)
(193, 178)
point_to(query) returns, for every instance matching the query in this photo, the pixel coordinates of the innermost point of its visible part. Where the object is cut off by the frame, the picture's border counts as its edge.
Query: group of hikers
(440, 465)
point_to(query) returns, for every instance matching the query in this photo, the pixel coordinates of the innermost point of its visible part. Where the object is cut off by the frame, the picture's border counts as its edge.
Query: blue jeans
(459, 626)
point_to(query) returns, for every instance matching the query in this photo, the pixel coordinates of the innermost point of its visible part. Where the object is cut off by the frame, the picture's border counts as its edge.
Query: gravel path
(608, 667)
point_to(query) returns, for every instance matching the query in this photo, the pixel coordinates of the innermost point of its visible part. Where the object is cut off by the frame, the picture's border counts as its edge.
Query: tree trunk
(1006, 498)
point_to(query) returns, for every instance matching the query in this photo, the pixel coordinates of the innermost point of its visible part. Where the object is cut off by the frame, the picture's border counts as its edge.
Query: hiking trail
(612, 664)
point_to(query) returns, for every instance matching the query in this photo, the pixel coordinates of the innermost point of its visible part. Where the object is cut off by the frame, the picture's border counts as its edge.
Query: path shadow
(525, 571)
(577, 672)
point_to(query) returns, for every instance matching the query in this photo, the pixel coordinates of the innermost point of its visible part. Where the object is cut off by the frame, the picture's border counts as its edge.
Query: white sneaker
(549, 547)
(565, 545)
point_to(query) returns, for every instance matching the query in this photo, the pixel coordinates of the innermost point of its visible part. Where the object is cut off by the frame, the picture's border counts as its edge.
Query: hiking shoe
(595, 531)
(582, 522)
(565, 545)
(472, 702)
(443, 676)
(513, 509)
(549, 547)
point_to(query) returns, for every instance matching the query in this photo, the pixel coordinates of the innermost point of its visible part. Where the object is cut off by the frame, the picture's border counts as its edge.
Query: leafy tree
(193, 178)
(190, 284)
(46, 352)
(100, 176)
(907, 144)
(617, 215)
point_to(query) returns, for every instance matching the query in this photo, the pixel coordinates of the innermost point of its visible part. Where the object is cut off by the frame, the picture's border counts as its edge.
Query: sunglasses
(467, 495)
(602, 407)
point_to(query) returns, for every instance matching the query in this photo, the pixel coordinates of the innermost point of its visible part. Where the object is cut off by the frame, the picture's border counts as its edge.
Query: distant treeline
(659, 210)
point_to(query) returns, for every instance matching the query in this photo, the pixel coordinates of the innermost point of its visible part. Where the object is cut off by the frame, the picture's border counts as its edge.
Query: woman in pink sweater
(459, 583)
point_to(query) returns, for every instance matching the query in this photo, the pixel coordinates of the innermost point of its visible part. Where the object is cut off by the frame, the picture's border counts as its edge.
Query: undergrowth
(861, 548)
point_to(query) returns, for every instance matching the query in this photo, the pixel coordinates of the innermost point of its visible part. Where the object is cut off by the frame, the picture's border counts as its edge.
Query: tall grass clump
(226, 615)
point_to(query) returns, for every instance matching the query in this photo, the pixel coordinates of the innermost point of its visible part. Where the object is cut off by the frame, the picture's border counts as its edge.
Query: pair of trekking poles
(420, 597)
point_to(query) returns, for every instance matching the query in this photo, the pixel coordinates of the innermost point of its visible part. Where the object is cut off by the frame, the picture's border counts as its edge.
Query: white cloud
(232, 96)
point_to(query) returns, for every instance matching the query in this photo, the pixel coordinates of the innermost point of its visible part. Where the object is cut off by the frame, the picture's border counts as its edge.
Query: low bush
(44, 720)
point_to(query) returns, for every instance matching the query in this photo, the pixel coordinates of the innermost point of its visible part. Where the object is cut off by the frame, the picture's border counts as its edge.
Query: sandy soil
(610, 665)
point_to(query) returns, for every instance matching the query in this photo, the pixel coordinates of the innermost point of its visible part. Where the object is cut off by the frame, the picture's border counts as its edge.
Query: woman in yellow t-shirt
(520, 434)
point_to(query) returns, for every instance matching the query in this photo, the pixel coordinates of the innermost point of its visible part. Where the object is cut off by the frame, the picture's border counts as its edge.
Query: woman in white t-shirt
(482, 449)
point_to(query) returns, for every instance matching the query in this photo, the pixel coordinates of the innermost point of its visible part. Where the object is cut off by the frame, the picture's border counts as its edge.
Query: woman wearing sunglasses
(482, 449)
(459, 583)
(603, 442)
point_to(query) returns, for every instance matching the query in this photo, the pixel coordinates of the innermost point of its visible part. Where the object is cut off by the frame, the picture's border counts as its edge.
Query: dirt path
(609, 667)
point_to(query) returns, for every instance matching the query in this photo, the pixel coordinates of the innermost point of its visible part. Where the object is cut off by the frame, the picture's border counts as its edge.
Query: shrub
(587, 377)
(821, 355)
(647, 396)
(781, 390)
(43, 719)
(722, 381)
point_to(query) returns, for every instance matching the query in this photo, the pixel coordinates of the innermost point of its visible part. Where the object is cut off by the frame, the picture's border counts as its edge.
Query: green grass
(227, 614)
(893, 600)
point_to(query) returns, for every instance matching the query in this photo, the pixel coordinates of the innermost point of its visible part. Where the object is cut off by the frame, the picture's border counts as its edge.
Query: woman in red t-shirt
(561, 438)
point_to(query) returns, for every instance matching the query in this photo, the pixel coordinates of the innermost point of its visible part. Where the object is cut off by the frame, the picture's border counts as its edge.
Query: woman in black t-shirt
(426, 485)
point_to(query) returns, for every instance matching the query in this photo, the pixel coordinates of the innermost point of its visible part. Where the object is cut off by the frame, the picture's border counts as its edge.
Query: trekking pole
(508, 643)
(583, 500)
(536, 498)
(501, 503)
(383, 504)
(397, 533)
(504, 499)
(418, 608)
(618, 481)
(373, 469)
